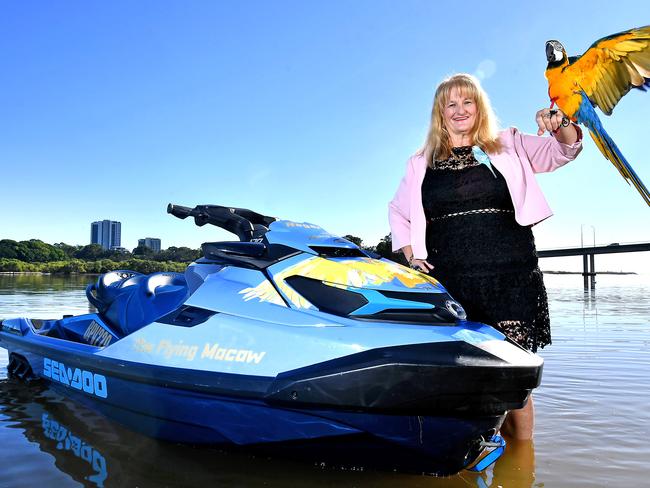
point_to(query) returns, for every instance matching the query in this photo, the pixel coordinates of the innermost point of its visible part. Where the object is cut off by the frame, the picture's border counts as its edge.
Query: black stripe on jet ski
(338, 252)
(246, 254)
(424, 379)
(328, 299)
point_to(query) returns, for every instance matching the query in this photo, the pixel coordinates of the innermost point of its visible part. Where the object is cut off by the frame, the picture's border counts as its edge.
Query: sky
(302, 110)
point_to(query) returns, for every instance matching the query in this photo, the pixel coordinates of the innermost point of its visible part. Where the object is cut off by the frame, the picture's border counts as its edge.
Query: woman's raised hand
(550, 120)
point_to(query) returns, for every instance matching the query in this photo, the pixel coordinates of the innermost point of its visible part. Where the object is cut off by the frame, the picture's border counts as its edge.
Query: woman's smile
(459, 114)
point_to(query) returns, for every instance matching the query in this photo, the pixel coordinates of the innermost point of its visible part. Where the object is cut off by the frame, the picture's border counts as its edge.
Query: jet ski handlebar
(246, 224)
(179, 211)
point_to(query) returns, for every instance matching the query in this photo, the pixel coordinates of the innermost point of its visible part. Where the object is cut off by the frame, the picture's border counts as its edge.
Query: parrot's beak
(550, 52)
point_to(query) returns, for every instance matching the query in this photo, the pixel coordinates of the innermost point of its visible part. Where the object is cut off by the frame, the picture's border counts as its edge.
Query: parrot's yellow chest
(563, 91)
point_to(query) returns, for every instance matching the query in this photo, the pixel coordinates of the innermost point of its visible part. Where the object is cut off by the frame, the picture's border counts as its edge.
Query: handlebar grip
(179, 211)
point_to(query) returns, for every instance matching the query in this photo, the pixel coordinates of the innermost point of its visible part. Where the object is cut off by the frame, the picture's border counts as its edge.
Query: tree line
(91, 267)
(37, 251)
(35, 255)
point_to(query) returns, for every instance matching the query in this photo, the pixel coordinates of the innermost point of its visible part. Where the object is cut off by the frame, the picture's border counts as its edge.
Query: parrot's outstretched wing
(588, 117)
(612, 66)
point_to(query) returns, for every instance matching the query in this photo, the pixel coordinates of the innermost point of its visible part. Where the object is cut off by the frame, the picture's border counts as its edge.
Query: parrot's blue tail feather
(587, 116)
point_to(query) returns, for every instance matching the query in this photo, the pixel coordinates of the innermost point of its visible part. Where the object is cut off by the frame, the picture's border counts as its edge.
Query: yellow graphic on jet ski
(343, 273)
(264, 292)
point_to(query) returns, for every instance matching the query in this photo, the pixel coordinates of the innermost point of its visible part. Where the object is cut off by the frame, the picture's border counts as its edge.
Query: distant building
(152, 243)
(107, 233)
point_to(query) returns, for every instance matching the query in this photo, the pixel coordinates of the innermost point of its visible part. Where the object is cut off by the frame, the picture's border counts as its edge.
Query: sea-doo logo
(96, 335)
(67, 441)
(79, 379)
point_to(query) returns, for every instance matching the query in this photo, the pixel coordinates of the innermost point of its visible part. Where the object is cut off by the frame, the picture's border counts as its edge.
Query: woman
(466, 207)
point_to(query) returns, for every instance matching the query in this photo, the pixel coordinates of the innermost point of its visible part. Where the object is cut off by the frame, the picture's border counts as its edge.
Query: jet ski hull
(418, 407)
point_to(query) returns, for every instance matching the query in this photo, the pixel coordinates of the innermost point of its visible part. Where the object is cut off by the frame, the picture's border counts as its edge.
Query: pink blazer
(522, 156)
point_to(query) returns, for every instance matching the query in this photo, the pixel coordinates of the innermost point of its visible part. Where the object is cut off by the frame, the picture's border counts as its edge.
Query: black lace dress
(485, 259)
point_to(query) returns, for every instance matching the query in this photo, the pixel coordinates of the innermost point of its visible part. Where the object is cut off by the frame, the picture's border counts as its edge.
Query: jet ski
(290, 339)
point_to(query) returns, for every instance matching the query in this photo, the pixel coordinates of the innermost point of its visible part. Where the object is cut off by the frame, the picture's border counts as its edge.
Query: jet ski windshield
(312, 239)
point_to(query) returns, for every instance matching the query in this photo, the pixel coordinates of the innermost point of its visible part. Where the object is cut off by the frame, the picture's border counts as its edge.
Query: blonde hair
(485, 133)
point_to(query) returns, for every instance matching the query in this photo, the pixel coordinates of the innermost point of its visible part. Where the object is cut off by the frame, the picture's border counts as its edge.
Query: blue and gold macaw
(600, 77)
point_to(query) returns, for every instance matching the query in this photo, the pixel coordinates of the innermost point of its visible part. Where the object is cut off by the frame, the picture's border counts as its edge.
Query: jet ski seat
(128, 300)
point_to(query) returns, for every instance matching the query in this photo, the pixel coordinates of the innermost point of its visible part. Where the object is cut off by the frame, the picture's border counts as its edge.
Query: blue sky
(302, 110)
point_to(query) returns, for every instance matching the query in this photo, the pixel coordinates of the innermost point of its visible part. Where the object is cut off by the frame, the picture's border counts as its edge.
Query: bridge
(588, 253)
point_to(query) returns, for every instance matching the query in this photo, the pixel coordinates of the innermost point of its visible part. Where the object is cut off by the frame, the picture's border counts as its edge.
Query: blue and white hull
(420, 407)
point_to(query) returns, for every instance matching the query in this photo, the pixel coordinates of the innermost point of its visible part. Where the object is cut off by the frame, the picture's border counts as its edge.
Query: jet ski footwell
(428, 410)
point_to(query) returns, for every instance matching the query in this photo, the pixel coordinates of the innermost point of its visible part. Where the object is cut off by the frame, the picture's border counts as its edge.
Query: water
(593, 420)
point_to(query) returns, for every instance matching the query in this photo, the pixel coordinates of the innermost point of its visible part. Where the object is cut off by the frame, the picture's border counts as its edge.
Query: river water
(593, 410)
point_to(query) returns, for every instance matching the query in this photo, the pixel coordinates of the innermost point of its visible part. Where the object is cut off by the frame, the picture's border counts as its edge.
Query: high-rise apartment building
(152, 243)
(107, 233)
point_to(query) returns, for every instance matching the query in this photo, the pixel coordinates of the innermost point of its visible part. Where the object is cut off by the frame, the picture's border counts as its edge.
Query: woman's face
(459, 113)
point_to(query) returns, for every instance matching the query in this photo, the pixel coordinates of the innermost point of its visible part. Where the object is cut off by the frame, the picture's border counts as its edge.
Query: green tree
(91, 252)
(74, 266)
(143, 266)
(8, 249)
(385, 250)
(115, 255)
(141, 251)
(11, 265)
(67, 249)
(356, 240)
(359, 242)
(36, 251)
(178, 254)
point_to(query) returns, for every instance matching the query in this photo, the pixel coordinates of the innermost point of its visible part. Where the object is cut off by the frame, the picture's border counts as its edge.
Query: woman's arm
(399, 212)
(549, 153)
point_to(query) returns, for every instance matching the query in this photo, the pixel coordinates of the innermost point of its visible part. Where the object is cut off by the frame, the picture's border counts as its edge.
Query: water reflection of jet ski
(42, 416)
(66, 441)
(289, 338)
